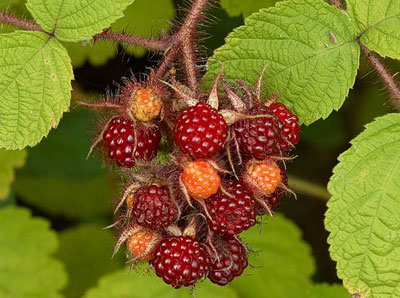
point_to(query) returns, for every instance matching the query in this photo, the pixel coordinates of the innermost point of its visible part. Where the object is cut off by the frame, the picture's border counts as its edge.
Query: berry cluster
(184, 214)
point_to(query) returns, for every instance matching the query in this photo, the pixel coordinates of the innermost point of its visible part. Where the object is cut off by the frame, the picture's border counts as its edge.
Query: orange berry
(142, 243)
(201, 179)
(146, 104)
(266, 175)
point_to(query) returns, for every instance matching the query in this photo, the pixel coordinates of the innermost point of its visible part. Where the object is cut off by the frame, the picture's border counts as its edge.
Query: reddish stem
(337, 3)
(180, 42)
(386, 77)
(152, 44)
(165, 64)
(186, 35)
(27, 25)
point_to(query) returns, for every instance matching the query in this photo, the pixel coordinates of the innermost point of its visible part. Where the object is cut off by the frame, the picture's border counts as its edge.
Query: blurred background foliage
(76, 196)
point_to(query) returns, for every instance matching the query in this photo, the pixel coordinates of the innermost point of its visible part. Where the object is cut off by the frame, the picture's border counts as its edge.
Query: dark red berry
(231, 263)
(289, 124)
(200, 131)
(153, 207)
(180, 261)
(258, 137)
(119, 138)
(233, 213)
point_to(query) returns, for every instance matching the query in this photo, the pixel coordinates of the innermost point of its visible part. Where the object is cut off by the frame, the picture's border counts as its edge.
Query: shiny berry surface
(180, 261)
(200, 131)
(200, 179)
(258, 137)
(289, 126)
(153, 207)
(119, 138)
(266, 175)
(231, 263)
(233, 213)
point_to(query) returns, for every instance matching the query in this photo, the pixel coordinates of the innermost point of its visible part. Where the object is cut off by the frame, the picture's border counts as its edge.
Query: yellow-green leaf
(35, 87)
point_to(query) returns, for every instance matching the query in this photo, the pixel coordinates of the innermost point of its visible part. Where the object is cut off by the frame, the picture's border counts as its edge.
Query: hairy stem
(386, 77)
(166, 62)
(23, 24)
(308, 188)
(186, 36)
(151, 44)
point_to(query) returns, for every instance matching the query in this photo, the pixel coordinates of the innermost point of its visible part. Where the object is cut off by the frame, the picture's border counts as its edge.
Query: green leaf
(327, 291)
(57, 177)
(312, 62)
(9, 160)
(35, 87)
(364, 212)
(86, 252)
(285, 259)
(236, 8)
(26, 270)
(379, 23)
(139, 285)
(76, 20)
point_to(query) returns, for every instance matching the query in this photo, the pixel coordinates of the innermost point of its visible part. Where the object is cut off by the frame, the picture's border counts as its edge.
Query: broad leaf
(139, 285)
(35, 87)
(327, 291)
(86, 252)
(76, 20)
(9, 160)
(364, 212)
(312, 62)
(379, 23)
(57, 177)
(26, 268)
(236, 8)
(285, 260)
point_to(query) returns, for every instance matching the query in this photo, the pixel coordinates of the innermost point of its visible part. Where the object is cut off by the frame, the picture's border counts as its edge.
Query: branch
(386, 77)
(152, 44)
(156, 45)
(185, 36)
(23, 24)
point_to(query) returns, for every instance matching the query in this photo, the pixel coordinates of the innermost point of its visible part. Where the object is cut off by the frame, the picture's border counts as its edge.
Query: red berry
(200, 131)
(180, 261)
(234, 213)
(231, 263)
(289, 123)
(258, 137)
(153, 207)
(119, 138)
